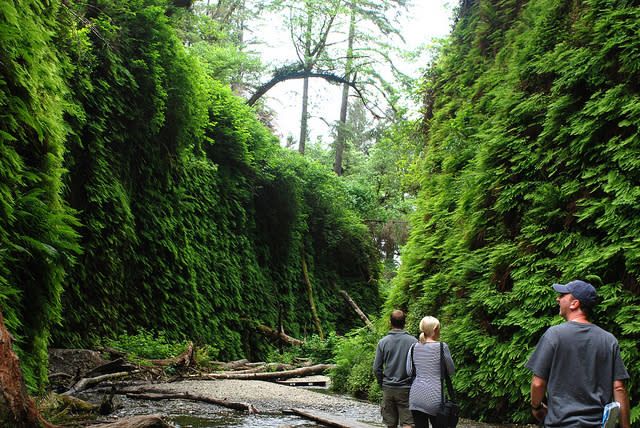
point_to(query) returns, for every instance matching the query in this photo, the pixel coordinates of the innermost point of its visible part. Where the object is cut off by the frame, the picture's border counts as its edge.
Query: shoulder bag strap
(443, 368)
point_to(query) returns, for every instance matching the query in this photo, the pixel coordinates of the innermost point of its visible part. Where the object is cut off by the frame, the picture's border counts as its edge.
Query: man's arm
(620, 395)
(538, 389)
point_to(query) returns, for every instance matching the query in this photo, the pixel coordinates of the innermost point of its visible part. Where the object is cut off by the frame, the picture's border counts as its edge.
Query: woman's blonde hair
(428, 327)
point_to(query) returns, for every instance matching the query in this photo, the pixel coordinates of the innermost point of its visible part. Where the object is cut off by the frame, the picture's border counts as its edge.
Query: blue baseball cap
(582, 291)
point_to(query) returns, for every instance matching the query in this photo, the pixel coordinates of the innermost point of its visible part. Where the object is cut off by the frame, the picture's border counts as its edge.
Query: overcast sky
(426, 20)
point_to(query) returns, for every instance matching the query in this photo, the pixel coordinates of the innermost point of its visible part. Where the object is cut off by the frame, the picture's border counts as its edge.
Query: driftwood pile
(121, 377)
(240, 369)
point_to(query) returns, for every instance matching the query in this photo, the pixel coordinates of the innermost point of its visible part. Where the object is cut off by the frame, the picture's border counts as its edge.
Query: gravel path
(271, 397)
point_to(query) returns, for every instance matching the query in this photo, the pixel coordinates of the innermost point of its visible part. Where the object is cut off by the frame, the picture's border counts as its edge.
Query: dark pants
(395, 407)
(421, 420)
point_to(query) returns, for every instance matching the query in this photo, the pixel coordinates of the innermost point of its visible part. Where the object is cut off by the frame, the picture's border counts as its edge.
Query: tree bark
(341, 137)
(308, 61)
(314, 312)
(305, 114)
(357, 309)
(17, 409)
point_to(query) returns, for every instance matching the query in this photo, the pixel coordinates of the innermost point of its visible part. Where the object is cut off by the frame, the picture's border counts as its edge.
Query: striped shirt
(425, 390)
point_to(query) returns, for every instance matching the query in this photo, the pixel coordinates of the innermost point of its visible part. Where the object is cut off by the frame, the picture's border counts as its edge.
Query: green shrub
(319, 351)
(146, 344)
(205, 354)
(354, 357)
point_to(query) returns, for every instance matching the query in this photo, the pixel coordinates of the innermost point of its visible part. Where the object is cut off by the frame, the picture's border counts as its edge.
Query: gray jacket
(391, 358)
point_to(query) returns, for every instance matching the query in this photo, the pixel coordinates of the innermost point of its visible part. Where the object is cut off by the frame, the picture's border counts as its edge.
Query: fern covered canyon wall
(531, 175)
(138, 192)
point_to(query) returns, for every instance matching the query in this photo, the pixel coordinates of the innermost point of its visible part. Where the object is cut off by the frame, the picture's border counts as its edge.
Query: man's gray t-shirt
(391, 357)
(579, 361)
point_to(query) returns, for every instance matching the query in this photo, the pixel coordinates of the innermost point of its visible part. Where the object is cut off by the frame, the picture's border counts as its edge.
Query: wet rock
(71, 362)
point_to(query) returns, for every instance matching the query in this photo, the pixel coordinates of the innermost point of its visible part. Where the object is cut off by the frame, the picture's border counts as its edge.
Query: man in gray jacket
(390, 370)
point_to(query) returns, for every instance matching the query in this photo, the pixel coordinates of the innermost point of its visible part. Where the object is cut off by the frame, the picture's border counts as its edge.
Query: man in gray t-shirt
(578, 365)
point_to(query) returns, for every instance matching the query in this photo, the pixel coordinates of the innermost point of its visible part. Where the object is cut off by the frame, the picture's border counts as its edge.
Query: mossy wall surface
(138, 192)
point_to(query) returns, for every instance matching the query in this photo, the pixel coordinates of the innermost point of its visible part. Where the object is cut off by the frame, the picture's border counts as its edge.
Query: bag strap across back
(445, 377)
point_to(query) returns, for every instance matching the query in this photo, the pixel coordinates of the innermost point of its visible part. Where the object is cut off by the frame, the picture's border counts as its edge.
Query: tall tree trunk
(237, 85)
(312, 303)
(340, 138)
(341, 135)
(308, 65)
(303, 119)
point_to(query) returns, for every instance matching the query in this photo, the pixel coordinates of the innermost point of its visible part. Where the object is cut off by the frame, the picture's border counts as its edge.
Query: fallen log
(115, 366)
(328, 419)
(75, 404)
(17, 409)
(285, 374)
(270, 367)
(183, 360)
(280, 335)
(230, 365)
(357, 310)
(158, 394)
(146, 421)
(88, 382)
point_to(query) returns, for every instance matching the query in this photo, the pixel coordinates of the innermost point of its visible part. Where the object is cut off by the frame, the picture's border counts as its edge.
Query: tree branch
(292, 75)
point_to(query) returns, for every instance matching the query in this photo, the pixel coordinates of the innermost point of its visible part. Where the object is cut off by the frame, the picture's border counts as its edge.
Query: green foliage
(146, 344)
(527, 178)
(192, 221)
(203, 355)
(354, 358)
(38, 241)
(315, 349)
(214, 36)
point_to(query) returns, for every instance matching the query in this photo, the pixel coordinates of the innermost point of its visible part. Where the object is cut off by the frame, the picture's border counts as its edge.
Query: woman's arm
(409, 364)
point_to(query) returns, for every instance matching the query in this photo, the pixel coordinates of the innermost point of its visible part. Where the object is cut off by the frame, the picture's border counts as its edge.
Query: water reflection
(190, 414)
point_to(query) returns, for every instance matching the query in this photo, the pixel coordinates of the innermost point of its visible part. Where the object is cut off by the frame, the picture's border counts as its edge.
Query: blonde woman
(424, 396)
